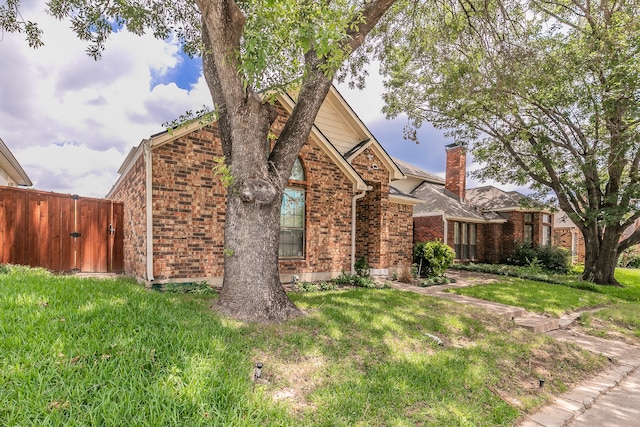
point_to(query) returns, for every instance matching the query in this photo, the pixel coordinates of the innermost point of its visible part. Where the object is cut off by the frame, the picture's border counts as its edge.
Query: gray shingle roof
(437, 199)
(409, 169)
(490, 198)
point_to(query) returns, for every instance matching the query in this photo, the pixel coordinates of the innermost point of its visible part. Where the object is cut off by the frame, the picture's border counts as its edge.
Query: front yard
(612, 312)
(107, 352)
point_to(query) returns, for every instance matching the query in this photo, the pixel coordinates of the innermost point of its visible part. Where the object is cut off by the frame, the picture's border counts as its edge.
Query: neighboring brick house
(481, 224)
(567, 235)
(338, 207)
(11, 173)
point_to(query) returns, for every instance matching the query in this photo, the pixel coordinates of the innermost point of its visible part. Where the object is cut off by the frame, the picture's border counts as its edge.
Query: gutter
(353, 228)
(149, 207)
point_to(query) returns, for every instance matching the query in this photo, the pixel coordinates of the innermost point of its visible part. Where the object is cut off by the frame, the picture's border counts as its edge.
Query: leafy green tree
(248, 48)
(546, 92)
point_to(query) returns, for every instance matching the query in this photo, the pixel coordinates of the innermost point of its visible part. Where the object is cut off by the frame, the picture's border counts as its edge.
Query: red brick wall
(368, 225)
(489, 243)
(400, 244)
(428, 228)
(131, 191)
(373, 211)
(188, 207)
(189, 212)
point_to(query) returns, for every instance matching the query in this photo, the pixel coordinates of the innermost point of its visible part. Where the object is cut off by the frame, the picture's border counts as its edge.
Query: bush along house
(481, 224)
(339, 205)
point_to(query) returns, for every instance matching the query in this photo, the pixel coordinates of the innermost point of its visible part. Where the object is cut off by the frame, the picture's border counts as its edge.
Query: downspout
(446, 229)
(149, 207)
(353, 228)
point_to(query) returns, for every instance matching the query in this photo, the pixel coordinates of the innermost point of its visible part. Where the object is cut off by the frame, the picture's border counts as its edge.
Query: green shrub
(549, 258)
(433, 258)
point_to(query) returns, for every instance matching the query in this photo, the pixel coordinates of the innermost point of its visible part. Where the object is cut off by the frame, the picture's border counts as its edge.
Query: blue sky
(70, 121)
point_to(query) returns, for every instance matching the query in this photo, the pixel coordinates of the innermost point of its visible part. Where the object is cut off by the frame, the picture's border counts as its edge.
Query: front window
(292, 223)
(464, 240)
(456, 239)
(528, 227)
(546, 230)
(292, 216)
(472, 241)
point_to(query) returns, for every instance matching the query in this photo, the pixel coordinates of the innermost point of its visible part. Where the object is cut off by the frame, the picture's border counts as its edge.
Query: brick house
(339, 205)
(567, 235)
(481, 224)
(11, 173)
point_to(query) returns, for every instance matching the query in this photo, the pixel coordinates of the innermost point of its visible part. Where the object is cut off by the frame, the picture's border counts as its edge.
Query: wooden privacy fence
(61, 232)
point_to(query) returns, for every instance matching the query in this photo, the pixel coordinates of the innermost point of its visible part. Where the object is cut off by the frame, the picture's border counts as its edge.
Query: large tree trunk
(601, 258)
(252, 290)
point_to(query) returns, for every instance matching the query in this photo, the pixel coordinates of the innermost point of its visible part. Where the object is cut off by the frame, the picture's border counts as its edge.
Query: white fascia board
(405, 200)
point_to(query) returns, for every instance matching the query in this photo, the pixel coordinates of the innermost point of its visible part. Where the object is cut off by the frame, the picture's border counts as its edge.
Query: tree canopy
(547, 93)
(250, 49)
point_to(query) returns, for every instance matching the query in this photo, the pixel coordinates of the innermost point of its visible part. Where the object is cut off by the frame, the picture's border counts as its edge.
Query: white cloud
(71, 120)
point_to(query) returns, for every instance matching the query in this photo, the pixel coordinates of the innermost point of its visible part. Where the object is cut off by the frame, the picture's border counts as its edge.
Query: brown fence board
(36, 227)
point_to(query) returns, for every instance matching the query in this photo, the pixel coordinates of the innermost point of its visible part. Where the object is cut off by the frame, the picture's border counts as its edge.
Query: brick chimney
(456, 173)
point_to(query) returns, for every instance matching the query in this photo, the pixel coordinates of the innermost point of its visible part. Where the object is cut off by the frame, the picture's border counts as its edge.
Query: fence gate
(60, 232)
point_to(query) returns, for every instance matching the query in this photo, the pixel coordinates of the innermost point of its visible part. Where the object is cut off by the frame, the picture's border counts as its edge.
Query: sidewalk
(611, 399)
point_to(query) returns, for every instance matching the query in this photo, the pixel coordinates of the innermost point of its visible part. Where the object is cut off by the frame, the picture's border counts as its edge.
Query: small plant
(345, 278)
(359, 281)
(406, 275)
(361, 266)
(365, 282)
(433, 258)
(315, 286)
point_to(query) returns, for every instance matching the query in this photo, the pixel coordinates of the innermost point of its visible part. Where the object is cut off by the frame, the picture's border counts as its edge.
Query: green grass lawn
(79, 352)
(620, 317)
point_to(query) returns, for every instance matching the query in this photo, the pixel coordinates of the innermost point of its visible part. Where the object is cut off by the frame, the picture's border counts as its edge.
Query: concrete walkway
(611, 399)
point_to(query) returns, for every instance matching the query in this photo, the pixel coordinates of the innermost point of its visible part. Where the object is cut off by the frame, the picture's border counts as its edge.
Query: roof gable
(287, 102)
(12, 168)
